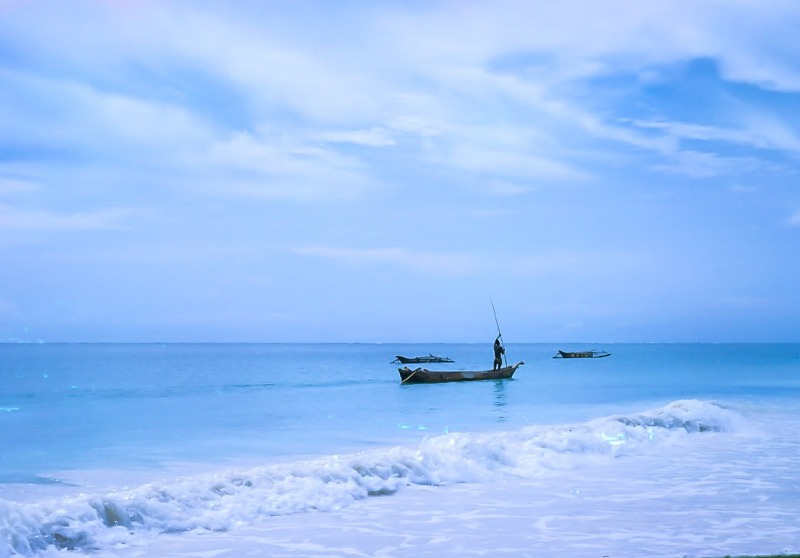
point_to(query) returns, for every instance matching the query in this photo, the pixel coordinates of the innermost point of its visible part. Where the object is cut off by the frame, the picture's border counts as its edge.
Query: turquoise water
(71, 414)
(87, 406)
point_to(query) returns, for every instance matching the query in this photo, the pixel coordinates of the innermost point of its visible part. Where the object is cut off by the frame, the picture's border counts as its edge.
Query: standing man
(498, 354)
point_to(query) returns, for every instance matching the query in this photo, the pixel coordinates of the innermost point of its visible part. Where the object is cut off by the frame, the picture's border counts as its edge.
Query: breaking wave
(225, 500)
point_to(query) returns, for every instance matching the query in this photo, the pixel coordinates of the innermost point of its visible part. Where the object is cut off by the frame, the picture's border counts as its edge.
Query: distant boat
(420, 359)
(582, 354)
(423, 376)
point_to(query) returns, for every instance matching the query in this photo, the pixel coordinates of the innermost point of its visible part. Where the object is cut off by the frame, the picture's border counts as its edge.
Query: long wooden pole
(499, 334)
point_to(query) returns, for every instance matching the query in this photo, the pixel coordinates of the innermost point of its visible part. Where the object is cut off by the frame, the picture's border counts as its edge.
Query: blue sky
(364, 171)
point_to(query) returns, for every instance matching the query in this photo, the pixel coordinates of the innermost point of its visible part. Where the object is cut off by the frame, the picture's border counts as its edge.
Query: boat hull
(424, 376)
(421, 360)
(582, 354)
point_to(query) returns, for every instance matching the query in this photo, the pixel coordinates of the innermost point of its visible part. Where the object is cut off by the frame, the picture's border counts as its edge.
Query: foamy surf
(234, 499)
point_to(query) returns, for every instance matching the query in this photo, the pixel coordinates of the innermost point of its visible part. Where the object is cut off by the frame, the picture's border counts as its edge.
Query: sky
(386, 171)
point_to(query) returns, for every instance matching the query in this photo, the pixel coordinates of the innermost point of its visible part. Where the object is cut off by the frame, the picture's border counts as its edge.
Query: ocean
(317, 450)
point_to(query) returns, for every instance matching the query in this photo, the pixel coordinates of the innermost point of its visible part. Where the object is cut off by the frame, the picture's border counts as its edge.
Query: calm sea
(236, 449)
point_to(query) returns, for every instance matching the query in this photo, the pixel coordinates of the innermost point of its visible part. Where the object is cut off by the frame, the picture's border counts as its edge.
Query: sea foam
(235, 498)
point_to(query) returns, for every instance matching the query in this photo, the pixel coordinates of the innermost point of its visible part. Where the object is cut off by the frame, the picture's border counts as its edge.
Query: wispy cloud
(11, 186)
(701, 164)
(277, 166)
(528, 265)
(761, 131)
(372, 137)
(81, 118)
(19, 220)
(421, 261)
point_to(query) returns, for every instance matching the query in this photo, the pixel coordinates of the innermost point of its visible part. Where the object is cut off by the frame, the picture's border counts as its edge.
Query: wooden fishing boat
(420, 359)
(582, 354)
(424, 376)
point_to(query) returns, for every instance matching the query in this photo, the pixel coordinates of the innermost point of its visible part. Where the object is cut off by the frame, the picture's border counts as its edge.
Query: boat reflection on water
(500, 401)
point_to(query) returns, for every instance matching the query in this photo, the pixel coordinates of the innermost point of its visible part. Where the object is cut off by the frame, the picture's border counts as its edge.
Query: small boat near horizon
(424, 376)
(582, 354)
(421, 359)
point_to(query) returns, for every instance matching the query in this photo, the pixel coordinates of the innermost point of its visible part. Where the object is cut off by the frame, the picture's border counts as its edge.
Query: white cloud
(372, 137)
(542, 263)
(267, 166)
(81, 118)
(742, 189)
(771, 132)
(700, 164)
(509, 162)
(683, 130)
(567, 263)
(11, 186)
(426, 262)
(8, 308)
(147, 124)
(504, 188)
(40, 221)
(759, 130)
